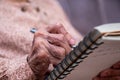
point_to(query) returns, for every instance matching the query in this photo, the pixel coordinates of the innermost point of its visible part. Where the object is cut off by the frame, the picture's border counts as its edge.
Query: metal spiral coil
(77, 55)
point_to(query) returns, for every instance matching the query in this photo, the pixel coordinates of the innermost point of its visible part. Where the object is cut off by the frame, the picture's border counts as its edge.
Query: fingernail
(72, 41)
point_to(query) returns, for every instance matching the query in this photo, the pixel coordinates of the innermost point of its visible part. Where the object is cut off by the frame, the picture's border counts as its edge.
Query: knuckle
(36, 42)
(68, 35)
(40, 33)
(43, 53)
(58, 53)
(39, 52)
(61, 37)
(39, 44)
(41, 40)
(37, 34)
(60, 26)
(61, 52)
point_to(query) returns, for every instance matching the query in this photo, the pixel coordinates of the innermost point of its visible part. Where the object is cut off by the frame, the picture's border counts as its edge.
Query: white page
(103, 57)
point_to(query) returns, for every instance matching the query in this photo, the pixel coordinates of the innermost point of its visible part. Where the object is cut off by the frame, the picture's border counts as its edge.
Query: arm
(49, 47)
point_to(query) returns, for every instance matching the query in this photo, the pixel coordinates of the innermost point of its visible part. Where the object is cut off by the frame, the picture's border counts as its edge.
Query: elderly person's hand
(112, 73)
(49, 47)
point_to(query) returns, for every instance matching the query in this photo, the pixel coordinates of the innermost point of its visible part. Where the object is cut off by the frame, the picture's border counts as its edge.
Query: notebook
(99, 49)
(102, 57)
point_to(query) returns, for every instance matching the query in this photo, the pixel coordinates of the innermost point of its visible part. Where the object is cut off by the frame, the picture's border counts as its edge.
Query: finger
(107, 78)
(38, 43)
(51, 67)
(56, 38)
(59, 29)
(116, 66)
(40, 33)
(59, 40)
(39, 64)
(39, 58)
(62, 30)
(56, 54)
(110, 73)
(51, 44)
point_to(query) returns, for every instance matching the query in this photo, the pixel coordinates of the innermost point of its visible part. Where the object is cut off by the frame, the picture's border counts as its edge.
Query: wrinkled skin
(17, 17)
(15, 38)
(49, 47)
(112, 73)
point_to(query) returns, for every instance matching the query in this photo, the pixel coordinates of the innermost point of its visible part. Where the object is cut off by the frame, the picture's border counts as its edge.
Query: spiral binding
(77, 55)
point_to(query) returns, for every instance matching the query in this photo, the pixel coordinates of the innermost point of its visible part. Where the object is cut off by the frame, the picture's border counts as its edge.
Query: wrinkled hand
(112, 73)
(49, 47)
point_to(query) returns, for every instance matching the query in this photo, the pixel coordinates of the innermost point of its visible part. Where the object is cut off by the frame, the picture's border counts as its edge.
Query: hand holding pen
(49, 47)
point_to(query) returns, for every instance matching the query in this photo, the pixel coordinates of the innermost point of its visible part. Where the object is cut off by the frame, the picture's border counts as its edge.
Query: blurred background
(86, 14)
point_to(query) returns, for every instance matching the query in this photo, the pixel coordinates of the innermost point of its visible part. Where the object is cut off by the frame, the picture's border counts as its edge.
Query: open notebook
(91, 59)
(97, 51)
(103, 57)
